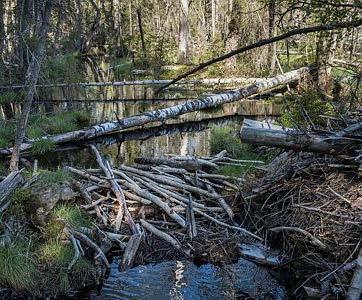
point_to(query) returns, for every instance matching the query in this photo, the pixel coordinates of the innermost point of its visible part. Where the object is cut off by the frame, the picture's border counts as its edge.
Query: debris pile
(310, 207)
(176, 206)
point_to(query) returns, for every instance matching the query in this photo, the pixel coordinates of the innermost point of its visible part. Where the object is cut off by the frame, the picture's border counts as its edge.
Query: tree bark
(140, 26)
(272, 51)
(167, 113)
(7, 186)
(184, 33)
(264, 134)
(31, 80)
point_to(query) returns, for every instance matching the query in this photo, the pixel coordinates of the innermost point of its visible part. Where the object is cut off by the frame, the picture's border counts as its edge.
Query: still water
(183, 280)
(186, 135)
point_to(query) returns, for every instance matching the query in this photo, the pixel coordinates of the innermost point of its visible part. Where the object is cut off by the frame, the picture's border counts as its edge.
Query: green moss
(21, 203)
(72, 215)
(42, 146)
(17, 268)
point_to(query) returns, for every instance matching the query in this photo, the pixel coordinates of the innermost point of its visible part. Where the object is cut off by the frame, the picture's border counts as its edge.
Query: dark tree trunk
(271, 32)
(139, 18)
(31, 81)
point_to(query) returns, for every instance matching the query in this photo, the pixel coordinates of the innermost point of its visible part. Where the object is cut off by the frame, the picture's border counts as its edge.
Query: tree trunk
(2, 29)
(326, 44)
(171, 112)
(31, 80)
(183, 56)
(272, 50)
(213, 18)
(139, 18)
(264, 134)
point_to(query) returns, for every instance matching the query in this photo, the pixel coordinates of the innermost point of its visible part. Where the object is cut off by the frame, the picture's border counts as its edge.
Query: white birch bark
(170, 112)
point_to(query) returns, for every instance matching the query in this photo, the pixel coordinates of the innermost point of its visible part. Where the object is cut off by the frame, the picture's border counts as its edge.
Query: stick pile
(180, 200)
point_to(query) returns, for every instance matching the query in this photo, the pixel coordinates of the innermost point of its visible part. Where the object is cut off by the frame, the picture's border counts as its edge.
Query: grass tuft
(72, 215)
(57, 257)
(17, 269)
(54, 177)
(42, 146)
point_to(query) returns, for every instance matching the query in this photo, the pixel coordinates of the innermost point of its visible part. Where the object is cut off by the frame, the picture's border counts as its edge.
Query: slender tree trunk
(31, 81)
(139, 18)
(213, 18)
(272, 51)
(326, 44)
(2, 29)
(184, 33)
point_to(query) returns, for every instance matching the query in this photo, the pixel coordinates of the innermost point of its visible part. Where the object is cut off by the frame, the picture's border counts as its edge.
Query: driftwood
(170, 112)
(118, 192)
(161, 234)
(130, 252)
(7, 186)
(260, 133)
(190, 164)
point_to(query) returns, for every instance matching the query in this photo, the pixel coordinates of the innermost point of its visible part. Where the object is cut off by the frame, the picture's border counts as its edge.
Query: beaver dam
(180, 149)
(239, 221)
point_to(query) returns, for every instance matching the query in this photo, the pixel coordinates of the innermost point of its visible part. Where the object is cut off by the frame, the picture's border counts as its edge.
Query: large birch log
(260, 133)
(7, 186)
(170, 112)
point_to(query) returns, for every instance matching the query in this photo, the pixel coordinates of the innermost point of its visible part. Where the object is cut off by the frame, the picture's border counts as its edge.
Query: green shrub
(8, 97)
(63, 69)
(223, 138)
(302, 109)
(7, 132)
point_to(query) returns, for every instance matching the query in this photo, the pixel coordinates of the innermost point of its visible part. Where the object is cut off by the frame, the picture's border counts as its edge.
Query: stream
(186, 135)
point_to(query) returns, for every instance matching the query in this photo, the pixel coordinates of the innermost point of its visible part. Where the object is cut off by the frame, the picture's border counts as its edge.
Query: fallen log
(210, 81)
(7, 186)
(264, 134)
(170, 112)
(190, 164)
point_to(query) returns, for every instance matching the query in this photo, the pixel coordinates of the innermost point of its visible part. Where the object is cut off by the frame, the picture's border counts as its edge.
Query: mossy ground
(36, 261)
